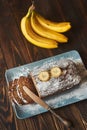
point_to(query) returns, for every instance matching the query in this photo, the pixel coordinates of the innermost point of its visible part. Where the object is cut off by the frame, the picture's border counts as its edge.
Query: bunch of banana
(41, 32)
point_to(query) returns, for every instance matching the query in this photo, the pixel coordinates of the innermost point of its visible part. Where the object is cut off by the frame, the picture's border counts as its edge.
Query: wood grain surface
(15, 50)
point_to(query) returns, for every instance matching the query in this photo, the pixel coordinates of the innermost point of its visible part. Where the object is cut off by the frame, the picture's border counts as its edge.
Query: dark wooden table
(15, 50)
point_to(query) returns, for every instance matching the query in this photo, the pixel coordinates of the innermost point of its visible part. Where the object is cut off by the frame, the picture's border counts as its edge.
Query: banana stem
(31, 8)
(32, 1)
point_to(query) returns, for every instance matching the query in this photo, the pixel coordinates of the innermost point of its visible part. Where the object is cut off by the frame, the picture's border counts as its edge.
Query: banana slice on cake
(55, 72)
(44, 76)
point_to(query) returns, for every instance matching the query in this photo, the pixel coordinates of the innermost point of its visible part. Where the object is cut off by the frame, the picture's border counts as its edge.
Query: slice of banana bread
(16, 92)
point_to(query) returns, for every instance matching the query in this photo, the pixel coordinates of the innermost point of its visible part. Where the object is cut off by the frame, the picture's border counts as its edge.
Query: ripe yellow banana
(55, 26)
(39, 29)
(32, 37)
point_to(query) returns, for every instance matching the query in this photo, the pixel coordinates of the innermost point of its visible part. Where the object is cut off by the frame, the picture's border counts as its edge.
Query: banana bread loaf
(44, 81)
(63, 75)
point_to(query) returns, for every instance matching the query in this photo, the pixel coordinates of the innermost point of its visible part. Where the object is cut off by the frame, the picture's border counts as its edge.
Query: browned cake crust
(69, 78)
(16, 92)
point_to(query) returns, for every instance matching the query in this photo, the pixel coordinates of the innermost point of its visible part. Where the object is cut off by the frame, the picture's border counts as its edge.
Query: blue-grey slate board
(76, 94)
